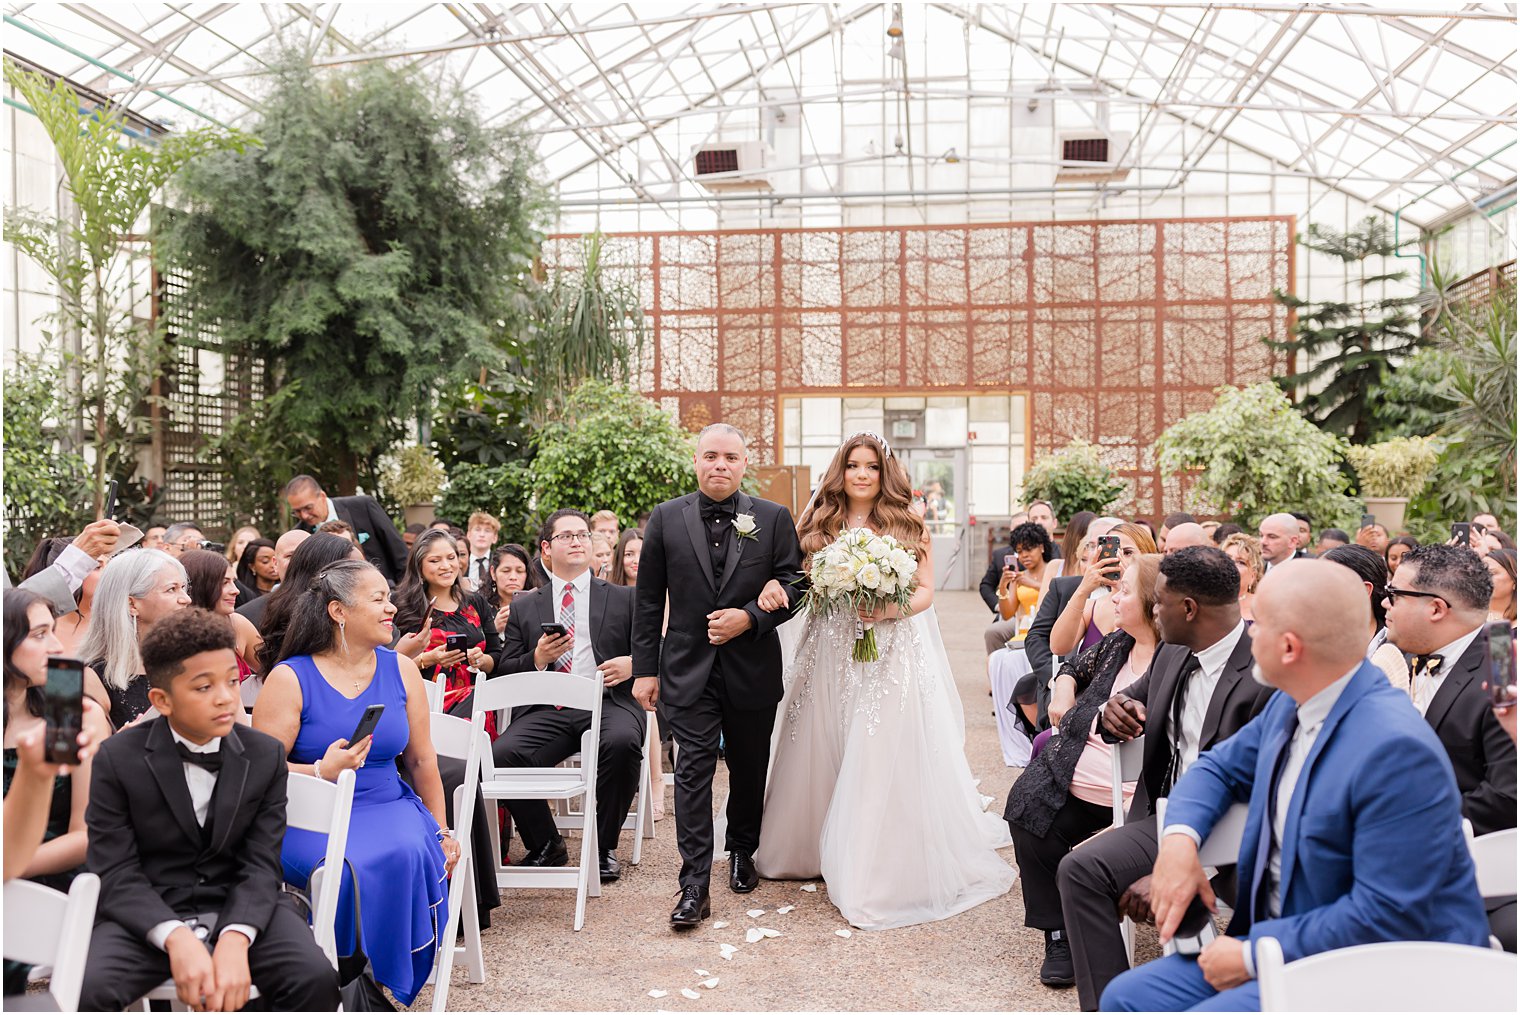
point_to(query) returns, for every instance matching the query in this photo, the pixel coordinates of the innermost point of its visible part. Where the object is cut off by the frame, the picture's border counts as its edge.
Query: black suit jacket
(1481, 753)
(1037, 638)
(675, 561)
(611, 635)
(1236, 700)
(148, 850)
(378, 539)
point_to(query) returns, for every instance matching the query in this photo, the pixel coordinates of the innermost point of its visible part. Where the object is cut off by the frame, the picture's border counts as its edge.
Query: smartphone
(1011, 560)
(1196, 929)
(456, 642)
(367, 723)
(1108, 546)
(110, 502)
(1501, 665)
(1462, 533)
(1368, 521)
(553, 630)
(63, 710)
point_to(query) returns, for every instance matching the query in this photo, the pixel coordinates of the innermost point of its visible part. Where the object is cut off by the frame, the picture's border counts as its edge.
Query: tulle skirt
(869, 787)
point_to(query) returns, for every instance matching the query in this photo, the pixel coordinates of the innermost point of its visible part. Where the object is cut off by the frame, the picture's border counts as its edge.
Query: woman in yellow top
(1023, 583)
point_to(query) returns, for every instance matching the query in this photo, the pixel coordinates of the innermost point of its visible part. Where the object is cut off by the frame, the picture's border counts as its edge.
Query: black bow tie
(713, 510)
(210, 761)
(1430, 665)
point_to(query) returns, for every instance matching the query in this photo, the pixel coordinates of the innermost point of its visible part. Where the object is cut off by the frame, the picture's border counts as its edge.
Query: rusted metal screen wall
(1114, 328)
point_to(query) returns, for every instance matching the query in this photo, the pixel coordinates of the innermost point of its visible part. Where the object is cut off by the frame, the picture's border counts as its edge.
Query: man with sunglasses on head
(1437, 606)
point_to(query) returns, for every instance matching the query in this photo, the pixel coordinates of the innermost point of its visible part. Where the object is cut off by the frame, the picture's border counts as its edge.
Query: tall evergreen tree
(1344, 349)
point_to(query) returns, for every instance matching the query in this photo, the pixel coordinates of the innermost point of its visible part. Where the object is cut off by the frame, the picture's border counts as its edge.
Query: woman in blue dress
(336, 665)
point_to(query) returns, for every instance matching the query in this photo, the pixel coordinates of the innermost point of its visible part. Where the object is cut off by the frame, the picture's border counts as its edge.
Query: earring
(342, 637)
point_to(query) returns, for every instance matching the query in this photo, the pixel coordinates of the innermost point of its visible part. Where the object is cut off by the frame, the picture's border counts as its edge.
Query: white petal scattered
(690, 994)
(842, 933)
(711, 983)
(785, 909)
(985, 801)
(701, 972)
(754, 913)
(727, 956)
(719, 924)
(658, 993)
(753, 934)
(767, 932)
(728, 949)
(810, 888)
(976, 782)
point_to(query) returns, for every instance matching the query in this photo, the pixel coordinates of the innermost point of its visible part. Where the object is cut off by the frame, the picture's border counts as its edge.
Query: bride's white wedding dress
(869, 786)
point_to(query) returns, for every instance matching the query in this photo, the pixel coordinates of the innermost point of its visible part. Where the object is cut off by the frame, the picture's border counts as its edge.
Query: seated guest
(1245, 551)
(136, 591)
(311, 557)
(1209, 528)
(61, 579)
(1087, 618)
(603, 549)
(69, 627)
(1186, 534)
(605, 522)
(1016, 591)
(336, 665)
(213, 587)
(1501, 568)
(1305, 531)
(1374, 537)
(186, 817)
(432, 596)
(625, 558)
(481, 536)
(1066, 793)
(1225, 531)
(284, 548)
(1394, 554)
(1437, 605)
(1497, 539)
(1331, 538)
(153, 537)
(1058, 592)
(1197, 693)
(339, 527)
(1373, 574)
(239, 542)
(598, 617)
(410, 533)
(29, 643)
(182, 536)
(1340, 847)
(373, 528)
(1278, 535)
(256, 572)
(510, 575)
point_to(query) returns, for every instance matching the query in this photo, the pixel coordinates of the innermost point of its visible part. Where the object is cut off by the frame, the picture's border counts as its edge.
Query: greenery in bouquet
(862, 571)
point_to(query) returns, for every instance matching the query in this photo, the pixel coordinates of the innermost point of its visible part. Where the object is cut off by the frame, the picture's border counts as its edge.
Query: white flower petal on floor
(710, 983)
(783, 910)
(753, 934)
(701, 972)
(690, 994)
(719, 924)
(753, 913)
(842, 932)
(810, 888)
(658, 993)
(767, 932)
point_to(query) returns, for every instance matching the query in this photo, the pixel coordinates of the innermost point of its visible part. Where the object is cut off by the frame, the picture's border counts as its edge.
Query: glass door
(939, 480)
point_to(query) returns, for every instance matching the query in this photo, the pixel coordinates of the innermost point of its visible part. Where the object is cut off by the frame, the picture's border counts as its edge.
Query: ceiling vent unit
(742, 166)
(1090, 156)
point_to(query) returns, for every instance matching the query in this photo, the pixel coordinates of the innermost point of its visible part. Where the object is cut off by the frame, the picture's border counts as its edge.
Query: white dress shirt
(201, 784)
(476, 578)
(1200, 690)
(1425, 686)
(583, 659)
(332, 511)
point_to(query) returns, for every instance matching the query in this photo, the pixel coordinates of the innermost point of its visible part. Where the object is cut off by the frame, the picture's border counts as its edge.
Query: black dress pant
(286, 965)
(746, 735)
(1040, 856)
(1091, 879)
(545, 736)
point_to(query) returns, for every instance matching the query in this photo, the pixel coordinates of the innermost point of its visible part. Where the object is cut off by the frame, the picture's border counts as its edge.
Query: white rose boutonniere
(745, 527)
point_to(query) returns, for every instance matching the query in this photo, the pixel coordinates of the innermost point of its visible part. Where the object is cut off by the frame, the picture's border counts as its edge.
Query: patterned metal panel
(1114, 328)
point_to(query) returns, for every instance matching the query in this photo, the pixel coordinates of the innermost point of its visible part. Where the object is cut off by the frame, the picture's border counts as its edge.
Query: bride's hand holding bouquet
(871, 575)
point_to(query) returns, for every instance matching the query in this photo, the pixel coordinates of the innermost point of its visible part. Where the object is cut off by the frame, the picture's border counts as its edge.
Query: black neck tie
(1190, 669)
(211, 761)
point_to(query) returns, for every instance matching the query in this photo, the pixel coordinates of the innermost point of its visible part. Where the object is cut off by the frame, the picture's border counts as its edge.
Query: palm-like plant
(1482, 384)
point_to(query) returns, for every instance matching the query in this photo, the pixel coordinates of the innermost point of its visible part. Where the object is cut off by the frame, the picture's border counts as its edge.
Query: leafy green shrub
(1258, 455)
(1073, 479)
(502, 490)
(47, 490)
(1394, 468)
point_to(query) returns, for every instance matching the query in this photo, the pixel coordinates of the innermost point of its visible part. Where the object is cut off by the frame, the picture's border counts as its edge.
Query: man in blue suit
(1354, 833)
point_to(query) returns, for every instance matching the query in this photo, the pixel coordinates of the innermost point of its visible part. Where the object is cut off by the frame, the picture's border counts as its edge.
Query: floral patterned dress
(467, 620)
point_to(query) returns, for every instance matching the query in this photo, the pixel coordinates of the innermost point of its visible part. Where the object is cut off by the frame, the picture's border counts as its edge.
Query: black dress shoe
(1057, 971)
(551, 854)
(693, 908)
(611, 870)
(742, 876)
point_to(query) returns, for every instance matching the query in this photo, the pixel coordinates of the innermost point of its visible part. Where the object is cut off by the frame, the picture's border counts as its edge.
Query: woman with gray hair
(137, 589)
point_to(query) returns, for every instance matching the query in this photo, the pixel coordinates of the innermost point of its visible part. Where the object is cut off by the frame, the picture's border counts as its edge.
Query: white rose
(745, 525)
(870, 576)
(902, 562)
(888, 585)
(877, 549)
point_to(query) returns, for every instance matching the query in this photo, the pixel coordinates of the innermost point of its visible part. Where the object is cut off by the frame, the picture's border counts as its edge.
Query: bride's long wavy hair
(892, 514)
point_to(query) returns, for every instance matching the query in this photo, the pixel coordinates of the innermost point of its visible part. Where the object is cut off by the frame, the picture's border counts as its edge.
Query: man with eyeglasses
(1437, 606)
(182, 537)
(378, 539)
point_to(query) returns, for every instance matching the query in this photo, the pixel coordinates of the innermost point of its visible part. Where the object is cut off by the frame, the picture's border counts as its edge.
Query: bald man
(1279, 539)
(1340, 848)
(284, 546)
(1187, 534)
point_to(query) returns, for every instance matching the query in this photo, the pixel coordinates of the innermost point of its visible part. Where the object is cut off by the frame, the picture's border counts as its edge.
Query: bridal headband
(878, 438)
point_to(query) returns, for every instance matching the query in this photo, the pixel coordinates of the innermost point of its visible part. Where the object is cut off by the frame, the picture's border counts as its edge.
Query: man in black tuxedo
(718, 666)
(597, 645)
(1437, 605)
(378, 539)
(1198, 691)
(186, 820)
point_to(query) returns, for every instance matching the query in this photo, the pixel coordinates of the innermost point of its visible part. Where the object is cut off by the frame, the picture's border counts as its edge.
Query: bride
(870, 788)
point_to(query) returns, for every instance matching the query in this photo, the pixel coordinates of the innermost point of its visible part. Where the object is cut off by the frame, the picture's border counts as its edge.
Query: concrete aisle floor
(984, 959)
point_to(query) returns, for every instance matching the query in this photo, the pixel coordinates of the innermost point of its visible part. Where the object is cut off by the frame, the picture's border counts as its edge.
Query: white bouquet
(861, 571)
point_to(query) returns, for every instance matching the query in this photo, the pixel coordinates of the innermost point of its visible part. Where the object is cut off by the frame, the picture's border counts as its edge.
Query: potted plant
(1073, 479)
(1390, 473)
(414, 480)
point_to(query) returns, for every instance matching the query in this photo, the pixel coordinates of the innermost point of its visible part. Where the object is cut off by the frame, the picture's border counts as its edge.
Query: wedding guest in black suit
(186, 818)
(1197, 693)
(377, 535)
(597, 645)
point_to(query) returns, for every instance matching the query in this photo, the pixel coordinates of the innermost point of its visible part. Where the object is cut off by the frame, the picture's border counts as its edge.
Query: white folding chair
(434, 691)
(313, 805)
(454, 737)
(1393, 976)
(44, 927)
(535, 687)
(640, 819)
(1127, 760)
(1494, 855)
(1220, 849)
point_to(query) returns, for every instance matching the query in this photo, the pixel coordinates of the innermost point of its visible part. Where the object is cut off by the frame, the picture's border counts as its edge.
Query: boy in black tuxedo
(186, 819)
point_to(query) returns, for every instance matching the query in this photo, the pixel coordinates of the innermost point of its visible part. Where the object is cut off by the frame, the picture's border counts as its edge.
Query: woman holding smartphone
(1023, 581)
(1089, 615)
(432, 597)
(511, 572)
